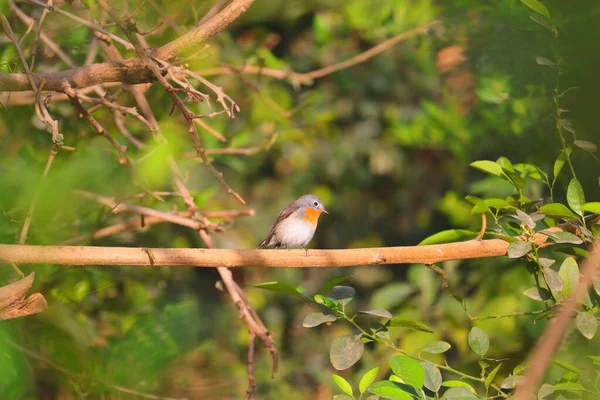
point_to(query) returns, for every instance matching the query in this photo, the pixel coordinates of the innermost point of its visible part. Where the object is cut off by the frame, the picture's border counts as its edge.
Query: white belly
(294, 232)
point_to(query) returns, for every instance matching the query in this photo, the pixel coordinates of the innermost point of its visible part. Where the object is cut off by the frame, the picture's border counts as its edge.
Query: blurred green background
(386, 144)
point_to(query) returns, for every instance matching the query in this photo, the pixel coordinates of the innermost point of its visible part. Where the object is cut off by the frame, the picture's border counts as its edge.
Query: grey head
(312, 201)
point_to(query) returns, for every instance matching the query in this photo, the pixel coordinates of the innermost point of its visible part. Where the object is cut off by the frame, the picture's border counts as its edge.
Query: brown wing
(283, 214)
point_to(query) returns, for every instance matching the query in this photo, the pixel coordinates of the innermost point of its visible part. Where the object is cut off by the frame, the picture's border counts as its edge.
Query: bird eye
(315, 204)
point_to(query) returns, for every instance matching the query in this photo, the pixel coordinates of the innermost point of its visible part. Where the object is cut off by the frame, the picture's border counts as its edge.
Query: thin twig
(251, 380)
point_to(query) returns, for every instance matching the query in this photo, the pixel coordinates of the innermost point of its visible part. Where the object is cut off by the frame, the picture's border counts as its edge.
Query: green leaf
(575, 196)
(569, 273)
(512, 381)
(553, 279)
(343, 294)
(454, 384)
(569, 386)
(480, 205)
(327, 302)
(562, 237)
(433, 376)
(448, 236)
(399, 322)
(437, 347)
(342, 384)
(389, 390)
(367, 379)
(378, 313)
(490, 378)
(409, 370)
(537, 293)
(316, 319)
(544, 61)
(518, 249)
(281, 287)
(479, 341)
(459, 393)
(499, 204)
(587, 324)
(557, 210)
(525, 219)
(593, 207)
(596, 282)
(342, 397)
(560, 162)
(345, 351)
(567, 366)
(334, 282)
(537, 6)
(488, 166)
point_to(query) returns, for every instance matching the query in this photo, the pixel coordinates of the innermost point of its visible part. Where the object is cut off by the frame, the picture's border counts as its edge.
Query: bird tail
(263, 244)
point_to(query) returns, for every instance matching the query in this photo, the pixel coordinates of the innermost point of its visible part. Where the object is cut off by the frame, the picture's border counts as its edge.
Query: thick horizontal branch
(131, 256)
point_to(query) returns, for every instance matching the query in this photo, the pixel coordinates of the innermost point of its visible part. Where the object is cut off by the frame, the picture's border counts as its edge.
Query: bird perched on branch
(296, 223)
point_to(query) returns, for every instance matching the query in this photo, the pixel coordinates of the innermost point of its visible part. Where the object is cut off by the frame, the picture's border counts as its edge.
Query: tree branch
(131, 256)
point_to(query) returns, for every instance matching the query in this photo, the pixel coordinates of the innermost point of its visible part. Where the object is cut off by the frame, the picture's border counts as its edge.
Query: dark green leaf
(409, 370)
(448, 236)
(437, 347)
(367, 379)
(378, 313)
(433, 376)
(560, 162)
(316, 319)
(562, 237)
(518, 249)
(346, 351)
(399, 322)
(587, 324)
(557, 210)
(553, 279)
(281, 287)
(488, 166)
(585, 145)
(490, 378)
(389, 390)
(343, 294)
(479, 341)
(575, 196)
(342, 384)
(334, 282)
(593, 207)
(537, 293)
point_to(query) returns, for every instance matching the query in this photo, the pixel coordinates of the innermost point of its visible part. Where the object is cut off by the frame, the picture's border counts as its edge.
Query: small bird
(296, 223)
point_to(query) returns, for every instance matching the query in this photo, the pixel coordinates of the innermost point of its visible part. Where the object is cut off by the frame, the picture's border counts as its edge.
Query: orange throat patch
(312, 215)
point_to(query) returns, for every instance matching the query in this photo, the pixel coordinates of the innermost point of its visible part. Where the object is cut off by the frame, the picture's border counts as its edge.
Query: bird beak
(326, 212)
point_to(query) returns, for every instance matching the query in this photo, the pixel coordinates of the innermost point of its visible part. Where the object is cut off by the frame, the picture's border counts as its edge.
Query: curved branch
(132, 256)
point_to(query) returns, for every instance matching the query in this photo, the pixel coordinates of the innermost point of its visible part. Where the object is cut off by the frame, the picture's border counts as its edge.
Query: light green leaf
(454, 383)
(512, 381)
(345, 351)
(409, 370)
(569, 386)
(562, 237)
(587, 324)
(556, 210)
(488, 166)
(399, 322)
(433, 376)
(593, 207)
(499, 204)
(480, 205)
(342, 397)
(569, 273)
(437, 347)
(448, 236)
(567, 366)
(518, 249)
(342, 384)
(553, 279)
(479, 341)
(389, 390)
(367, 379)
(458, 393)
(560, 162)
(575, 196)
(537, 6)
(316, 319)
